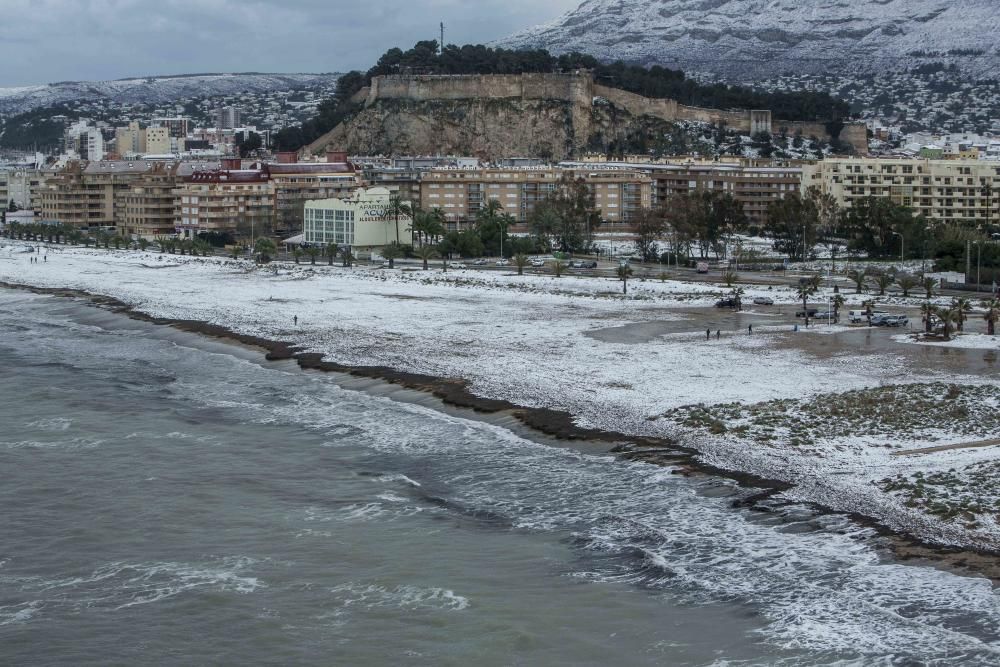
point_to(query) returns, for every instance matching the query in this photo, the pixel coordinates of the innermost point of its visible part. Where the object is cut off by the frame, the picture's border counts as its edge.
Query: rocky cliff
(547, 115)
(494, 128)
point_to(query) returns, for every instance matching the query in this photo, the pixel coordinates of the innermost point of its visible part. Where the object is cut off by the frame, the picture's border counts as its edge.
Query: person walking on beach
(296, 320)
(718, 334)
(708, 334)
(750, 329)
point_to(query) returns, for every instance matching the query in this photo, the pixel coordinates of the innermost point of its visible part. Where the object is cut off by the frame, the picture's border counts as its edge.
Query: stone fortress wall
(579, 90)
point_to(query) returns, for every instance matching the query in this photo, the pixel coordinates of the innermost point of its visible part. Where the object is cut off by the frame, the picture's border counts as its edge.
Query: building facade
(365, 222)
(86, 195)
(461, 193)
(228, 200)
(295, 183)
(965, 191)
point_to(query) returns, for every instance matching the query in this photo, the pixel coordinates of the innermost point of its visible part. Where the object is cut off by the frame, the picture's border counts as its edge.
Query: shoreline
(558, 425)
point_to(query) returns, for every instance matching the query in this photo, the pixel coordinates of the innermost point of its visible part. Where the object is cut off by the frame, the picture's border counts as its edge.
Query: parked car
(456, 265)
(590, 264)
(538, 262)
(701, 267)
(895, 320)
(826, 315)
(503, 262)
(878, 318)
(480, 262)
(856, 316)
(726, 303)
(576, 264)
(802, 313)
(763, 301)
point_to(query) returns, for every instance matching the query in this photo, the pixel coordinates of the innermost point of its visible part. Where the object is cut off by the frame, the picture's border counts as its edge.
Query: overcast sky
(43, 41)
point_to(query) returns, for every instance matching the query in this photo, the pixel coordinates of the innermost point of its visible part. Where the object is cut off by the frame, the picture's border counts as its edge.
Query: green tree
(961, 307)
(649, 227)
(883, 280)
(858, 277)
(398, 208)
(297, 253)
(263, 249)
(520, 261)
(792, 225)
(426, 253)
(392, 253)
(346, 256)
(906, 283)
(313, 253)
(991, 314)
(928, 285)
(331, 252)
(806, 289)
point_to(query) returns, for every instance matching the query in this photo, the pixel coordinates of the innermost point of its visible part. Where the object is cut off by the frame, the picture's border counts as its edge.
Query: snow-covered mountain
(751, 39)
(153, 90)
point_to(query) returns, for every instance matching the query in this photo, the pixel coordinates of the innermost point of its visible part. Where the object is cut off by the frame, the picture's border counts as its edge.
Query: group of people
(34, 260)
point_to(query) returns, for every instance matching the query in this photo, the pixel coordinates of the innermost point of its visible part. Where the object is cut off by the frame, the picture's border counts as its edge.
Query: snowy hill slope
(750, 39)
(152, 90)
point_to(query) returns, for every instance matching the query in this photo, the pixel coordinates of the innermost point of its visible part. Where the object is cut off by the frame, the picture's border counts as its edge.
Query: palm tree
(624, 271)
(991, 315)
(838, 303)
(947, 317)
(347, 256)
(730, 278)
(331, 252)
(264, 248)
(426, 252)
(297, 253)
(558, 267)
(391, 252)
(928, 285)
(927, 313)
(805, 290)
(398, 207)
(143, 244)
(313, 253)
(520, 261)
(907, 282)
(235, 251)
(883, 280)
(962, 306)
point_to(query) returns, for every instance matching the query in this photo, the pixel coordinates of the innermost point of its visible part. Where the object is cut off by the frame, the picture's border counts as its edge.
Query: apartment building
(21, 186)
(365, 221)
(752, 183)
(461, 192)
(941, 190)
(228, 200)
(146, 209)
(85, 195)
(295, 183)
(133, 141)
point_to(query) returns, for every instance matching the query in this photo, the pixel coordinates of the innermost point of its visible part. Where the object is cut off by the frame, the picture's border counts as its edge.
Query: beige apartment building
(132, 141)
(752, 183)
(227, 200)
(942, 190)
(294, 183)
(146, 209)
(461, 192)
(86, 196)
(22, 186)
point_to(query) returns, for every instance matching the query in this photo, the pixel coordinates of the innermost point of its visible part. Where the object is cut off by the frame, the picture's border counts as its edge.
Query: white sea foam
(18, 614)
(55, 424)
(403, 596)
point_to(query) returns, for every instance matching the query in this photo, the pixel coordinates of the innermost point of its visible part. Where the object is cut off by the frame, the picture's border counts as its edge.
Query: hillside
(555, 116)
(752, 39)
(152, 90)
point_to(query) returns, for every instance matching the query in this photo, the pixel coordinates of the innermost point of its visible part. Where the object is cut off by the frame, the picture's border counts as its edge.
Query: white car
(763, 301)
(538, 262)
(502, 262)
(456, 265)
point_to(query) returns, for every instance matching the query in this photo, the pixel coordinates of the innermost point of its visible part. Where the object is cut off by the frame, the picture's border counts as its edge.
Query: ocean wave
(405, 597)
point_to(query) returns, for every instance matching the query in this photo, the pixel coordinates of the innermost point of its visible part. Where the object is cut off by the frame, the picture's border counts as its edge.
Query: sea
(171, 499)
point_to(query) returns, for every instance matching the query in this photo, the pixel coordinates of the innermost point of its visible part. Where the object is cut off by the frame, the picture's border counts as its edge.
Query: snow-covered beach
(620, 364)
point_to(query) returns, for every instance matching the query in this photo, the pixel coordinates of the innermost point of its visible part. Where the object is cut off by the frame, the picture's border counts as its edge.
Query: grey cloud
(59, 40)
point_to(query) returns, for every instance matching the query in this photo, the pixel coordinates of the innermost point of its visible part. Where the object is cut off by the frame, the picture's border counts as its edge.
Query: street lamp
(902, 246)
(979, 263)
(623, 266)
